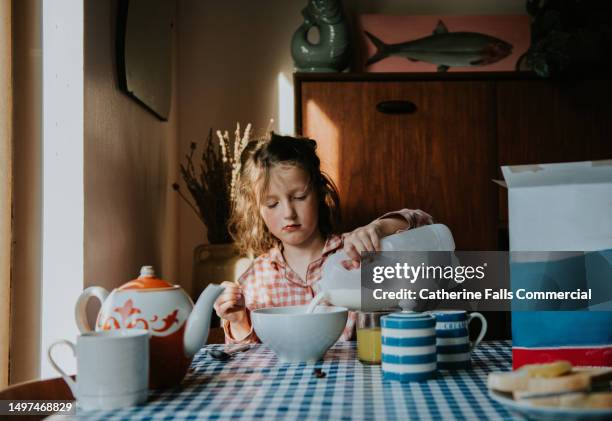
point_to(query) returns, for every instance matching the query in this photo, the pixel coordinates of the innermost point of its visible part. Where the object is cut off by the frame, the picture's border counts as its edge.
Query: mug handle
(71, 383)
(483, 329)
(80, 313)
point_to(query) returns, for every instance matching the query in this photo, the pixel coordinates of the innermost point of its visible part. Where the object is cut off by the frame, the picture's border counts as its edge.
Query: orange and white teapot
(178, 328)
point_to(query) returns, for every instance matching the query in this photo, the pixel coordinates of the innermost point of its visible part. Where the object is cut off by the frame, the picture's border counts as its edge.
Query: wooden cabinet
(439, 158)
(541, 121)
(442, 154)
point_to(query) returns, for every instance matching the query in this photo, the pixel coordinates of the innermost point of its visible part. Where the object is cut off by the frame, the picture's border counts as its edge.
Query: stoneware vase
(331, 53)
(216, 263)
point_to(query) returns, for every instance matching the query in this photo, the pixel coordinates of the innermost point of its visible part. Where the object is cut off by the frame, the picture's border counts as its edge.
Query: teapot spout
(198, 324)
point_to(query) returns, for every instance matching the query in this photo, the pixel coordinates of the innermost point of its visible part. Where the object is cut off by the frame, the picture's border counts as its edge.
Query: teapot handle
(80, 313)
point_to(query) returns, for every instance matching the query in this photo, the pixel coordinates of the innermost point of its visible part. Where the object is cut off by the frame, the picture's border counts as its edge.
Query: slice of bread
(598, 374)
(555, 369)
(567, 383)
(517, 380)
(508, 381)
(549, 401)
(573, 400)
(573, 384)
(599, 400)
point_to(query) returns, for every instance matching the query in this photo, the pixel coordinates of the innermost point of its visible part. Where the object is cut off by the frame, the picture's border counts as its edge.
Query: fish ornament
(445, 49)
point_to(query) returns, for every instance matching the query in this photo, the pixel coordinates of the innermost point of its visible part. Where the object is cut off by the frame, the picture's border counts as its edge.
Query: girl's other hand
(230, 305)
(366, 238)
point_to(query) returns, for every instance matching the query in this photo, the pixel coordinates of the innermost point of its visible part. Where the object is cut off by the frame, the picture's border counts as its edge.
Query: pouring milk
(342, 287)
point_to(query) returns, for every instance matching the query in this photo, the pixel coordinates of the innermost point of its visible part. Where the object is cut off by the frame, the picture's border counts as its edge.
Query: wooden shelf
(421, 76)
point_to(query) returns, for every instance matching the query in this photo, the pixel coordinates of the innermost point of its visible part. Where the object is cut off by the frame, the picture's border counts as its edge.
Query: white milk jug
(342, 287)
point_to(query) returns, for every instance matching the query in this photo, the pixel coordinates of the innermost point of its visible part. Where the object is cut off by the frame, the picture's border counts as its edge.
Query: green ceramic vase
(332, 52)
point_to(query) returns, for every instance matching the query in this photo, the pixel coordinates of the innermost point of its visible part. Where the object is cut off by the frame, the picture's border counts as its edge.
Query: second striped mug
(453, 340)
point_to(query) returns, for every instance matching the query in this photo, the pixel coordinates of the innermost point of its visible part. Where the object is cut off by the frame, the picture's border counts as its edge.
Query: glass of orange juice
(368, 336)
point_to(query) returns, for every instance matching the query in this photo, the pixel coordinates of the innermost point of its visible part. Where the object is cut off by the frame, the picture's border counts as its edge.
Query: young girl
(286, 213)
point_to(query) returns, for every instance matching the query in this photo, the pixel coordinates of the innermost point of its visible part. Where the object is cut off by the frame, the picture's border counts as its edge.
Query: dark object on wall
(144, 53)
(332, 52)
(569, 37)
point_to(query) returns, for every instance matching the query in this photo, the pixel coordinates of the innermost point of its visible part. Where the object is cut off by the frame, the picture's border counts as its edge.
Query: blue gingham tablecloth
(254, 384)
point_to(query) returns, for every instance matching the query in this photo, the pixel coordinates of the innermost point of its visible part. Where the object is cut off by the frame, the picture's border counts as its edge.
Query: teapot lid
(146, 280)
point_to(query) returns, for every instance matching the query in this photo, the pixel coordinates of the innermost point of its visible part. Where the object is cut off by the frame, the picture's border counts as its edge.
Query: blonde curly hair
(246, 225)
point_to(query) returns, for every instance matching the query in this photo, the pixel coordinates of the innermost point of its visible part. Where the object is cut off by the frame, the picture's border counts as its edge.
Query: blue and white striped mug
(453, 338)
(408, 346)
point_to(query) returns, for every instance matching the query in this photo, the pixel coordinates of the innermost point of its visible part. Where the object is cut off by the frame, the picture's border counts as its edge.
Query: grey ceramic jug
(332, 52)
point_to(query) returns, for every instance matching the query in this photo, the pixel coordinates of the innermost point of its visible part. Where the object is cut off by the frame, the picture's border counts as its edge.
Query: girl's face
(290, 206)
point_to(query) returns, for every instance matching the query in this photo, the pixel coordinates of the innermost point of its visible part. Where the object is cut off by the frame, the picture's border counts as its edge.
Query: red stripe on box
(600, 356)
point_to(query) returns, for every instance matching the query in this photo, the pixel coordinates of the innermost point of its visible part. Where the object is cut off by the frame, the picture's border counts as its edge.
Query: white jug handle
(71, 383)
(80, 313)
(483, 328)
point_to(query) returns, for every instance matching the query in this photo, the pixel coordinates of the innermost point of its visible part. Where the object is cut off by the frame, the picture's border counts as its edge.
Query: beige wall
(423, 7)
(6, 200)
(230, 56)
(27, 176)
(130, 163)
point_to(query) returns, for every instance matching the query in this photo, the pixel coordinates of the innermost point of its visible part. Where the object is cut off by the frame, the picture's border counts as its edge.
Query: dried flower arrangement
(212, 185)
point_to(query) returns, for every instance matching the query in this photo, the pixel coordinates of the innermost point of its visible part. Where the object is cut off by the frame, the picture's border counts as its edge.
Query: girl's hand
(366, 238)
(230, 305)
(418, 218)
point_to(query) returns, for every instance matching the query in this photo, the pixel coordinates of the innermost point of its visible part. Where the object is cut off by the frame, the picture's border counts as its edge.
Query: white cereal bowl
(296, 336)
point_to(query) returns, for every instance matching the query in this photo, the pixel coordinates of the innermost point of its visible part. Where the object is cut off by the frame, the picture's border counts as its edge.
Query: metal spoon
(226, 355)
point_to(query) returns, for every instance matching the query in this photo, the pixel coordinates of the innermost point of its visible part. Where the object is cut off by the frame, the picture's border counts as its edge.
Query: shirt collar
(332, 244)
(276, 256)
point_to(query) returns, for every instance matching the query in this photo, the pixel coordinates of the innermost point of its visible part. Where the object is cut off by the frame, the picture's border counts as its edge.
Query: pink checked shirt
(270, 282)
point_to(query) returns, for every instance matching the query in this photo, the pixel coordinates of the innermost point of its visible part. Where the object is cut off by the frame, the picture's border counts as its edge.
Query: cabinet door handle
(396, 107)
